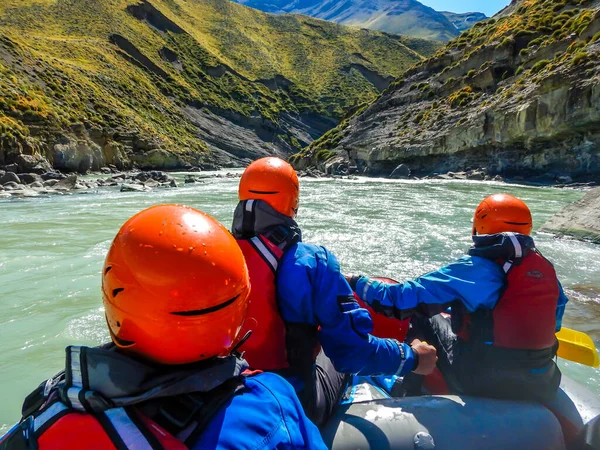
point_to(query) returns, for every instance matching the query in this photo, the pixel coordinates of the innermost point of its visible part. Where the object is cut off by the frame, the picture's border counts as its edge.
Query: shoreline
(27, 185)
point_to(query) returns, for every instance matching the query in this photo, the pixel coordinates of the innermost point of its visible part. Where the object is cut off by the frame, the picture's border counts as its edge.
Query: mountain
(166, 83)
(464, 21)
(407, 17)
(518, 94)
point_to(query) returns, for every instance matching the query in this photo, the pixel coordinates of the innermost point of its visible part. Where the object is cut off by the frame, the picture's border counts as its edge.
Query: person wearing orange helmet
(506, 305)
(307, 326)
(175, 288)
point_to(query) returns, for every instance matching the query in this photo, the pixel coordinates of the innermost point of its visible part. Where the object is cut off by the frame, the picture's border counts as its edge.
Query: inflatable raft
(369, 418)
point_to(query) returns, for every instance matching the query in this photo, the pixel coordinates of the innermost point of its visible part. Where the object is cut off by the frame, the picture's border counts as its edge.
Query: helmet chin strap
(234, 350)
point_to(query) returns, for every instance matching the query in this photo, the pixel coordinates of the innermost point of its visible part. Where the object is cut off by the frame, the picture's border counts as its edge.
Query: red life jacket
(525, 316)
(66, 412)
(273, 343)
(266, 347)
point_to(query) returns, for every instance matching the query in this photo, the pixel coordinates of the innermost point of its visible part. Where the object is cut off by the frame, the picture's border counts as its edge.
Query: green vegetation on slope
(505, 80)
(128, 68)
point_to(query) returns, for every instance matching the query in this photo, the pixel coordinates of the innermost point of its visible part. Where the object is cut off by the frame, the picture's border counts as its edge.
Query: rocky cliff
(169, 83)
(580, 219)
(518, 94)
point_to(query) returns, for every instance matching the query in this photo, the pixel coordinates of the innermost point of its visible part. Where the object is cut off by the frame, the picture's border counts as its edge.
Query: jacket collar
(504, 246)
(101, 378)
(256, 217)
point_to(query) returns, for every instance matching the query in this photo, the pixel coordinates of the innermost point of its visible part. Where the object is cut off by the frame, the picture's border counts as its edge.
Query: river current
(52, 250)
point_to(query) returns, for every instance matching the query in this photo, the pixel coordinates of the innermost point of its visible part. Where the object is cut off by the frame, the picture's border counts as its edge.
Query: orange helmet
(175, 286)
(499, 213)
(274, 181)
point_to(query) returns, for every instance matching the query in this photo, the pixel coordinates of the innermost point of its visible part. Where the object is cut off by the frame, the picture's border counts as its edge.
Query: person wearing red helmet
(175, 288)
(506, 306)
(307, 325)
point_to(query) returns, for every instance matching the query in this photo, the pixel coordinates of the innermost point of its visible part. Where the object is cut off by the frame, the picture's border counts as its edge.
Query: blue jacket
(475, 281)
(311, 290)
(265, 415)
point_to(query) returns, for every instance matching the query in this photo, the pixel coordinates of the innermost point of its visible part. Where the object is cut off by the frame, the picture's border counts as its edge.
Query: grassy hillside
(133, 75)
(518, 94)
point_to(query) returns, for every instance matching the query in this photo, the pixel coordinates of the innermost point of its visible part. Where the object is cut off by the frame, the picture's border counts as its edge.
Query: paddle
(577, 347)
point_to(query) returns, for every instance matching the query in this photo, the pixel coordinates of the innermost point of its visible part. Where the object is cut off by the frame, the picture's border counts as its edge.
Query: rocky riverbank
(24, 185)
(340, 167)
(580, 220)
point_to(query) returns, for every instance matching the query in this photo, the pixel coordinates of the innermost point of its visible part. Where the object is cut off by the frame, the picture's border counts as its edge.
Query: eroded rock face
(514, 108)
(580, 219)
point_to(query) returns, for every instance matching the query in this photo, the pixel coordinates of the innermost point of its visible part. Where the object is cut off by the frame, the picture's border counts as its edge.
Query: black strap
(180, 413)
(36, 399)
(213, 403)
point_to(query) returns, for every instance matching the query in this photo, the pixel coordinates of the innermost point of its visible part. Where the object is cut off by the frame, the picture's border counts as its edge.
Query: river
(52, 250)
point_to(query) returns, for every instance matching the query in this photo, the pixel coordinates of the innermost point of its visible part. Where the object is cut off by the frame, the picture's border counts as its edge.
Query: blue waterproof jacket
(477, 282)
(265, 415)
(311, 290)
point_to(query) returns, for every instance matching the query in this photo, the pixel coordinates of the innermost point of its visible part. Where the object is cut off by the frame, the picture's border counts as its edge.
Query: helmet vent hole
(118, 324)
(116, 291)
(107, 270)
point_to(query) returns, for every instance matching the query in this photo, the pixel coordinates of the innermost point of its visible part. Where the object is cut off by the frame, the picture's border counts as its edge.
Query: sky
(488, 7)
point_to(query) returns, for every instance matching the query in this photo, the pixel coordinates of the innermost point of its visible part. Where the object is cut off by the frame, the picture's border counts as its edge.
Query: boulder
(36, 185)
(151, 183)
(476, 175)
(78, 156)
(12, 168)
(33, 164)
(28, 178)
(580, 220)
(1, 188)
(50, 183)
(67, 184)
(400, 172)
(173, 183)
(128, 187)
(53, 176)
(10, 177)
(191, 179)
(210, 167)
(11, 186)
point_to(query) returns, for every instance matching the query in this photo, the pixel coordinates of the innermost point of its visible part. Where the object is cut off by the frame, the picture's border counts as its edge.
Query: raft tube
(368, 418)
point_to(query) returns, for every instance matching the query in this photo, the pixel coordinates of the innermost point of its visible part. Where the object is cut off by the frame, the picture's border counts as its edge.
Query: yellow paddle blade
(577, 347)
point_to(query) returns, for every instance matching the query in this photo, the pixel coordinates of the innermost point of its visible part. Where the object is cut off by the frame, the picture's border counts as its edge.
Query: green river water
(52, 250)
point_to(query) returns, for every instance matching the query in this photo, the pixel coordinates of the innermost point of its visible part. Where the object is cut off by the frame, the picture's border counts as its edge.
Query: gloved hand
(426, 357)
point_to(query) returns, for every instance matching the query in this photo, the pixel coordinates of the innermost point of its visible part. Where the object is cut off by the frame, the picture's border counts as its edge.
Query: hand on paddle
(427, 357)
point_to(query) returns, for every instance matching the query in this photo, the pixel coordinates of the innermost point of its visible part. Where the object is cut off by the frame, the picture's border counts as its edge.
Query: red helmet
(499, 213)
(274, 181)
(175, 286)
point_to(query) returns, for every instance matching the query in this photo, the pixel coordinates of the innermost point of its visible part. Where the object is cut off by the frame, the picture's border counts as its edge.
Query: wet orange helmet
(274, 181)
(499, 213)
(175, 286)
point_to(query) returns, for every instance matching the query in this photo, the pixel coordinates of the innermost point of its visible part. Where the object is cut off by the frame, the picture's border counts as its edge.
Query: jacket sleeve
(312, 290)
(474, 281)
(560, 307)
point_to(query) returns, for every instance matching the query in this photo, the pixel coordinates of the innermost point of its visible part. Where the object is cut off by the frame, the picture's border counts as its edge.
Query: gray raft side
(443, 423)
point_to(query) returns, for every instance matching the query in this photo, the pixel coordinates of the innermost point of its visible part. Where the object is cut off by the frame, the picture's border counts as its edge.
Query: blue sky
(489, 7)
